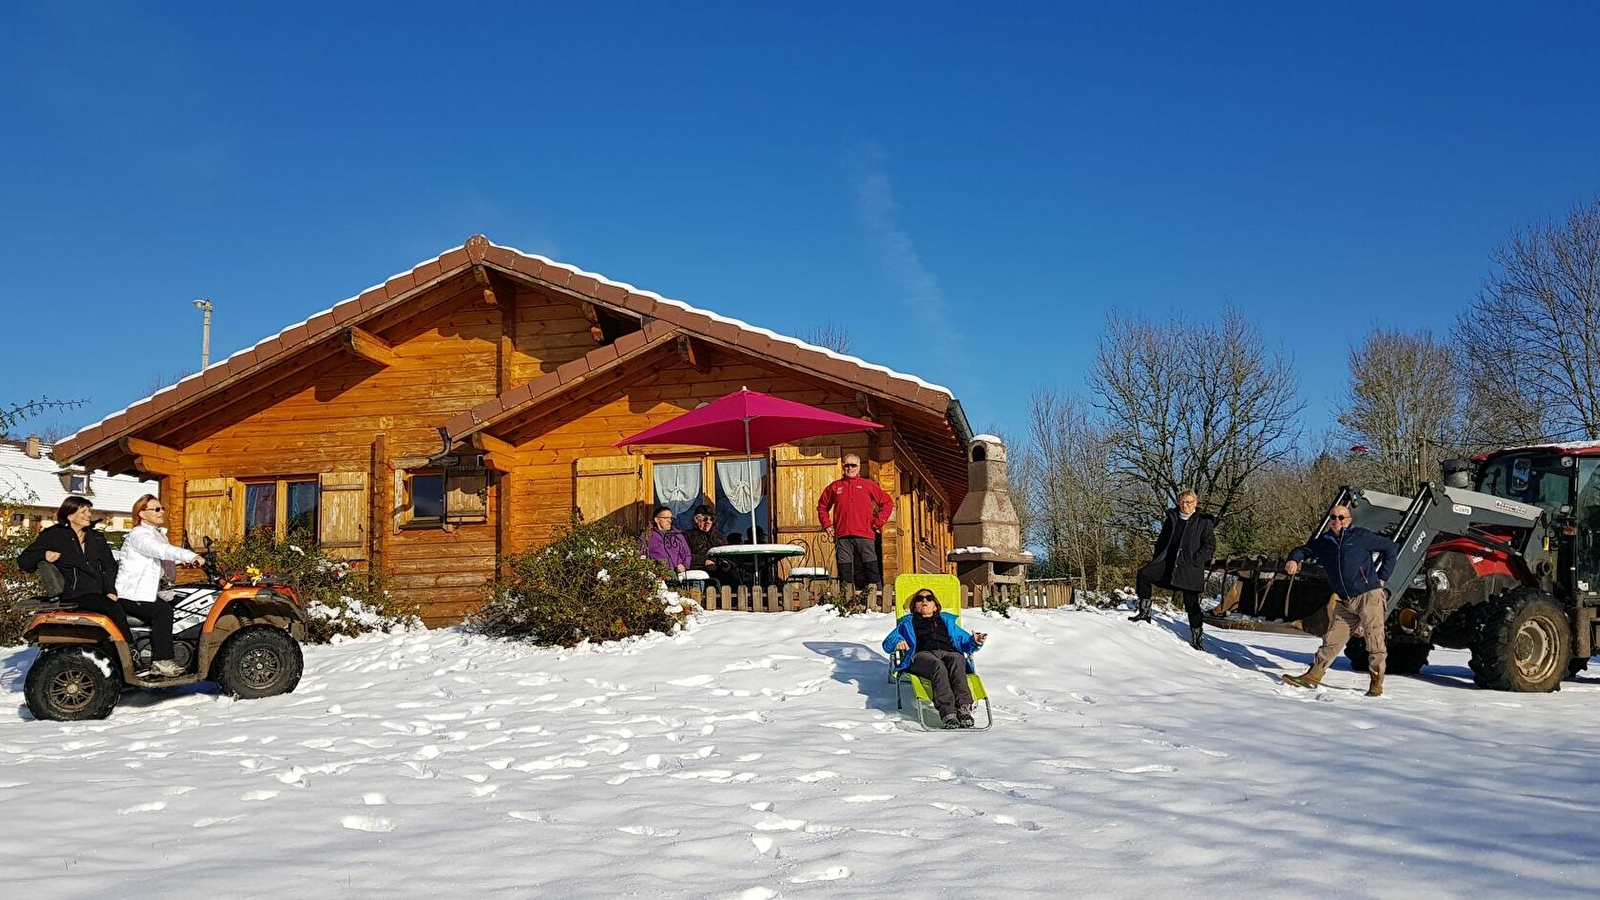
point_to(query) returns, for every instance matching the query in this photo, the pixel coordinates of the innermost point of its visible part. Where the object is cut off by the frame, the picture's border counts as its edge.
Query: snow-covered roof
(478, 249)
(37, 482)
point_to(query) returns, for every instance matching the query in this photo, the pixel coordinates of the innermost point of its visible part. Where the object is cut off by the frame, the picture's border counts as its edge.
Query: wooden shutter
(611, 488)
(800, 475)
(211, 509)
(466, 495)
(342, 514)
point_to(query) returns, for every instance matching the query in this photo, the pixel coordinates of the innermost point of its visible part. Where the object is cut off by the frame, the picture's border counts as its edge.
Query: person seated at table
(665, 543)
(701, 539)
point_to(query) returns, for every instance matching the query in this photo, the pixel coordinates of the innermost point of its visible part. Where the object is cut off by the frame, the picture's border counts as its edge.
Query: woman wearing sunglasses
(935, 647)
(139, 577)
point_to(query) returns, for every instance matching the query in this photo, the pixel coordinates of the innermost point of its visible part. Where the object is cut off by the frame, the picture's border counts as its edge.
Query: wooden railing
(799, 595)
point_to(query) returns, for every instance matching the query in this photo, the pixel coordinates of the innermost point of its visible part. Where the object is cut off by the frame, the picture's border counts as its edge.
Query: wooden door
(800, 474)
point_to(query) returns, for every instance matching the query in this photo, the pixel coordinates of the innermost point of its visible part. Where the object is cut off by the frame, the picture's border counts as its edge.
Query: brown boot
(1375, 689)
(1310, 678)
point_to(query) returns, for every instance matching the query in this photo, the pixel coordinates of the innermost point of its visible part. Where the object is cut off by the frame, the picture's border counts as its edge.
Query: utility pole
(205, 333)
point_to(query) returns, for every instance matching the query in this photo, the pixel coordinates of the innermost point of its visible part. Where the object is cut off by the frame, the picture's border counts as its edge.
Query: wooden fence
(792, 595)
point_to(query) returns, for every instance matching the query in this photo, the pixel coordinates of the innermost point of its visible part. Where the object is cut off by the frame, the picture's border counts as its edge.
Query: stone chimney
(31, 447)
(988, 535)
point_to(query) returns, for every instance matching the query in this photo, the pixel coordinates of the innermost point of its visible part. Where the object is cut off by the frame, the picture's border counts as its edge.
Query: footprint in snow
(373, 798)
(152, 806)
(832, 873)
(1147, 770)
(251, 796)
(649, 831)
(368, 823)
(215, 820)
(528, 815)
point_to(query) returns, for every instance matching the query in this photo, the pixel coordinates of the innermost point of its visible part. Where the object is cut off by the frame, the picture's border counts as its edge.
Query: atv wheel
(72, 683)
(260, 661)
(1404, 659)
(1525, 644)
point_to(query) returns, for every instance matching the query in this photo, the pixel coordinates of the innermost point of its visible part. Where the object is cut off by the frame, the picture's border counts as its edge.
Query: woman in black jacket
(90, 571)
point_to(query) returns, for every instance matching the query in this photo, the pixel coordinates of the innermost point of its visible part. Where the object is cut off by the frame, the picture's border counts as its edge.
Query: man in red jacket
(860, 510)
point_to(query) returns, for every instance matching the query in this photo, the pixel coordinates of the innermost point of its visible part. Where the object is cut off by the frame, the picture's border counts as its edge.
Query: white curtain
(678, 488)
(741, 486)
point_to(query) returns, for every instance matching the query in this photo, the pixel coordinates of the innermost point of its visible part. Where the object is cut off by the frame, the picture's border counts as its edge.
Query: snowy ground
(762, 756)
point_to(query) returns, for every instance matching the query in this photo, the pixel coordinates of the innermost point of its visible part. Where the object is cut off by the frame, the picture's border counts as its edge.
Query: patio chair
(805, 569)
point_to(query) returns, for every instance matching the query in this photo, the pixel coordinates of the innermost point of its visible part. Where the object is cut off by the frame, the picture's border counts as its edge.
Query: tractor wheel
(260, 661)
(72, 683)
(1525, 644)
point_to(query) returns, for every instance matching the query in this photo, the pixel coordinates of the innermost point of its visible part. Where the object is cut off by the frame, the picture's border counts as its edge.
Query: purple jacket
(667, 546)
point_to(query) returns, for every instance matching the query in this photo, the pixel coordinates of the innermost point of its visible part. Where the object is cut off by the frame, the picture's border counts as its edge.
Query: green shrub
(846, 600)
(16, 587)
(339, 600)
(589, 584)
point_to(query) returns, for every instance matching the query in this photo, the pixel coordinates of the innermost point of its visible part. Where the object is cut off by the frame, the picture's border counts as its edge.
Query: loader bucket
(1258, 596)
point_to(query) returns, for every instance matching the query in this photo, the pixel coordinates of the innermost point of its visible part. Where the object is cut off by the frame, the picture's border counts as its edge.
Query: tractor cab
(1564, 482)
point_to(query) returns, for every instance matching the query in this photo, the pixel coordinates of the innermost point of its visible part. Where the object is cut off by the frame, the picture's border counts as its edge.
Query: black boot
(1143, 615)
(1196, 636)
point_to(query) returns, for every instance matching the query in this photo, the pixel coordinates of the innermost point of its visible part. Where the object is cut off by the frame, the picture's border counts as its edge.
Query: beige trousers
(1366, 612)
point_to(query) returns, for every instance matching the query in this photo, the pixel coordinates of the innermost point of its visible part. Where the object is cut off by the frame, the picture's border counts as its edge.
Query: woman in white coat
(139, 573)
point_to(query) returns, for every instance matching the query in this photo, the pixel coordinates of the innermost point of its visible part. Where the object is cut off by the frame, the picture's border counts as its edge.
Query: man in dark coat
(1183, 550)
(703, 538)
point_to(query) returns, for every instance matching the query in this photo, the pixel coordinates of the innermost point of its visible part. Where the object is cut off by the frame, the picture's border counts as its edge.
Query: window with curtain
(678, 488)
(741, 495)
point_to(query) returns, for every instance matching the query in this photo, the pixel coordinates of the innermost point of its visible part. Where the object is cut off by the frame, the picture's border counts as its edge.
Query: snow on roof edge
(543, 259)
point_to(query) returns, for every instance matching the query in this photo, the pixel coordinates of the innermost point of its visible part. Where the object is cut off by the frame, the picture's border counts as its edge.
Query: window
(286, 506)
(78, 483)
(435, 497)
(425, 498)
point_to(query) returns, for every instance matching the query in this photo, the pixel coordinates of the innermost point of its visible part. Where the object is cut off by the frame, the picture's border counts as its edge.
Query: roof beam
(695, 353)
(368, 346)
(503, 455)
(596, 330)
(136, 447)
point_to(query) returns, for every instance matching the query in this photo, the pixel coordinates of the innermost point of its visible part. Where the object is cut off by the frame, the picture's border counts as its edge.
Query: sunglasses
(922, 598)
(1340, 518)
(852, 465)
(153, 509)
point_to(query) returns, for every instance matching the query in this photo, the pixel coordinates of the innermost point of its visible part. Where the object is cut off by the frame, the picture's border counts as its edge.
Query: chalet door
(802, 473)
(612, 489)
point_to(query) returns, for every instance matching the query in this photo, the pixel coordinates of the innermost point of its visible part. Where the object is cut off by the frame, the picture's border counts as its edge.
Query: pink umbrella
(748, 420)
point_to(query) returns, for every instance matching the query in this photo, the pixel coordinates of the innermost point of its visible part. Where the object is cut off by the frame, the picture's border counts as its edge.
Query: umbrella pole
(749, 474)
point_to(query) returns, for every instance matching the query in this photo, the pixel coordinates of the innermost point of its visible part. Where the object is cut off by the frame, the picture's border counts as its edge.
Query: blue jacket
(905, 631)
(1347, 559)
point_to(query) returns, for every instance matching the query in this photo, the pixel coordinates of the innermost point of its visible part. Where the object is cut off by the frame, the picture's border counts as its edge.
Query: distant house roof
(478, 251)
(27, 481)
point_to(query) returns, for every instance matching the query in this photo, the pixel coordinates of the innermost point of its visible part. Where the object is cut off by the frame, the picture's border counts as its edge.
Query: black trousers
(1155, 574)
(158, 615)
(947, 670)
(857, 561)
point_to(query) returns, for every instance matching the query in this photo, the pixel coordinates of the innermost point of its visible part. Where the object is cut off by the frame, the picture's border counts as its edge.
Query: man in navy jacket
(1358, 564)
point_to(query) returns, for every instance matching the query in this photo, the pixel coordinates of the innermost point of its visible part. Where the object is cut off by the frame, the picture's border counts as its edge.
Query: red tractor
(1502, 558)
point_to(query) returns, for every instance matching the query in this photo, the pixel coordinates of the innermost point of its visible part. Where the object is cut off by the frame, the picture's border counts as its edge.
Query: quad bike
(241, 632)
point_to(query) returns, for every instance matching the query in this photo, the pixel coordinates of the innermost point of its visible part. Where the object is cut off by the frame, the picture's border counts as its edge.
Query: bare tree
(1287, 499)
(1064, 483)
(830, 336)
(1196, 406)
(1404, 406)
(1531, 341)
(12, 414)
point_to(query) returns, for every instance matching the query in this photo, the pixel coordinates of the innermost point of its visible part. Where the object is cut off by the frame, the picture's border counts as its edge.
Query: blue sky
(969, 192)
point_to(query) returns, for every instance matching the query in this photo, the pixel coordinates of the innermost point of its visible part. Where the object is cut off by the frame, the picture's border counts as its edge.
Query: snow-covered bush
(339, 599)
(589, 584)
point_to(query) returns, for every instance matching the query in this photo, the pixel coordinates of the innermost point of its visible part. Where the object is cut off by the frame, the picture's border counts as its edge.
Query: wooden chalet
(463, 410)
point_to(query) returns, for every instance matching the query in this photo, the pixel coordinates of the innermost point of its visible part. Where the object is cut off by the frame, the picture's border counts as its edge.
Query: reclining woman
(935, 647)
(85, 561)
